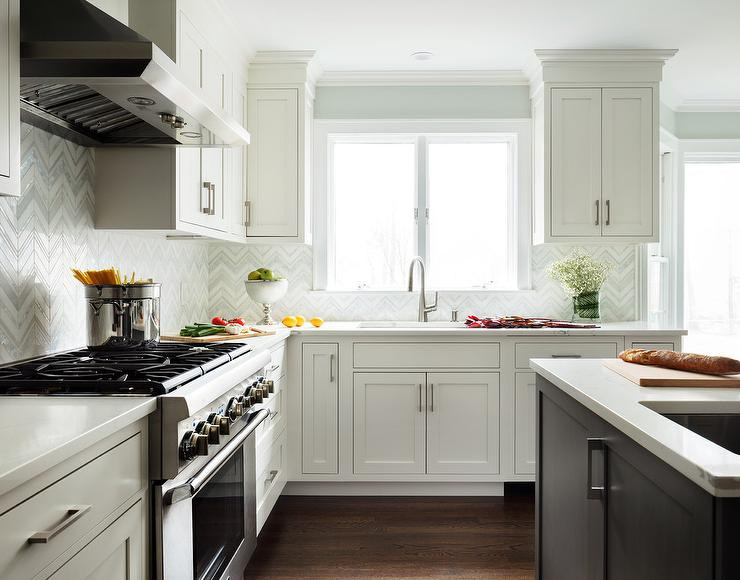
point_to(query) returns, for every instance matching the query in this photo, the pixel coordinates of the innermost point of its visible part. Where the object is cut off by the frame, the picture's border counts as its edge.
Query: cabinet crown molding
(605, 54)
(284, 67)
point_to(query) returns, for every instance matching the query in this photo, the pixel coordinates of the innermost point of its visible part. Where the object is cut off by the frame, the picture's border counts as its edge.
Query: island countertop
(636, 411)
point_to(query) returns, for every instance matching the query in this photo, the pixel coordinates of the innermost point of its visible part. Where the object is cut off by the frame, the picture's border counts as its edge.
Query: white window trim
(521, 187)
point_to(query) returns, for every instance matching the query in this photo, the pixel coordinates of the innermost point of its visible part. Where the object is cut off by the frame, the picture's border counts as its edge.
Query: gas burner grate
(150, 369)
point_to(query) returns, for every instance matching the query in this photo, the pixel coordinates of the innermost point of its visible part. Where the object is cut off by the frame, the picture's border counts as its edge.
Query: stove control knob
(193, 444)
(234, 409)
(222, 422)
(209, 430)
(258, 395)
(270, 385)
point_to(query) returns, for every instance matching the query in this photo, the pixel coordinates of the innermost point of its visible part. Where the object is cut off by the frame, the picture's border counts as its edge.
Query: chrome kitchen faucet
(424, 308)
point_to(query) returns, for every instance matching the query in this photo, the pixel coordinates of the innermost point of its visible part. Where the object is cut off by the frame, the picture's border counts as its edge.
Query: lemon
(300, 320)
(316, 321)
(289, 321)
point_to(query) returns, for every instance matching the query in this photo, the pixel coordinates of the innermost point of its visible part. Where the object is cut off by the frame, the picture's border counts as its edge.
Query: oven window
(218, 519)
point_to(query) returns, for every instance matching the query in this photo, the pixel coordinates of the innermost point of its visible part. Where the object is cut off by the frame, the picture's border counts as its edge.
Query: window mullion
(422, 205)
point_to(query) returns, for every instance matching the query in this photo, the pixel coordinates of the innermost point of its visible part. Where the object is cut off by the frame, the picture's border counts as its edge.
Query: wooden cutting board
(650, 376)
(215, 337)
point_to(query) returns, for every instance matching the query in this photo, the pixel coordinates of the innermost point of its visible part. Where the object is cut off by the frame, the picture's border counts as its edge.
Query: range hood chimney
(89, 78)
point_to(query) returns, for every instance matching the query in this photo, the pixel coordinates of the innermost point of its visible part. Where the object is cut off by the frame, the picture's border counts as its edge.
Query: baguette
(682, 361)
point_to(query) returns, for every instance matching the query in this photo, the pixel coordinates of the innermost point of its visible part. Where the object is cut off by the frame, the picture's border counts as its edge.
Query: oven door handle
(191, 487)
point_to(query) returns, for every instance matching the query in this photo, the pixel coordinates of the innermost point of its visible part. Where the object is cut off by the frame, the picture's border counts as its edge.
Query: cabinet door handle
(273, 475)
(596, 491)
(565, 356)
(331, 368)
(212, 203)
(608, 213)
(73, 514)
(420, 409)
(247, 213)
(597, 212)
(431, 388)
(206, 207)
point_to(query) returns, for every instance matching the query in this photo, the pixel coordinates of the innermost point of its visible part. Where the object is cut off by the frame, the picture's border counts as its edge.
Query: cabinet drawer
(654, 345)
(271, 476)
(278, 362)
(527, 350)
(95, 489)
(276, 405)
(427, 355)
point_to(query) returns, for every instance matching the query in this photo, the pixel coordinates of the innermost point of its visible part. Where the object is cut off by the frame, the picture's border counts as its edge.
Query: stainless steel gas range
(201, 447)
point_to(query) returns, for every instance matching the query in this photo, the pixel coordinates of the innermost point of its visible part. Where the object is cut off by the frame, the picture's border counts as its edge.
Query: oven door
(205, 524)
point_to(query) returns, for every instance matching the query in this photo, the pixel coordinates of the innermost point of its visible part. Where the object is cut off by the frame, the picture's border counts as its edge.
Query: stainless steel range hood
(87, 77)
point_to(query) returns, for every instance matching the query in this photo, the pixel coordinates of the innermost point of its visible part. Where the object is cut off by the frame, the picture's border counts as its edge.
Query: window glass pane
(469, 215)
(374, 188)
(712, 258)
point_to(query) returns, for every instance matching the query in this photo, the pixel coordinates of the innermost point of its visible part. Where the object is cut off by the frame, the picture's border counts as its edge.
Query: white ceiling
(501, 34)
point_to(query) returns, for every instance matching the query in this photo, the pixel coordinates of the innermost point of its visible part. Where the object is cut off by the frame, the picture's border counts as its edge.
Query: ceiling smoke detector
(422, 54)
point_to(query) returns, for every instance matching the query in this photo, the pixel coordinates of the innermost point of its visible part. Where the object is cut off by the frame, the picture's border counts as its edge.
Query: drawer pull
(565, 356)
(595, 445)
(273, 414)
(273, 368)
(73, 514)
(273, 475)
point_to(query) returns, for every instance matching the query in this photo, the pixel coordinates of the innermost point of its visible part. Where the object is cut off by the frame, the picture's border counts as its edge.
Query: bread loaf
(682, 361)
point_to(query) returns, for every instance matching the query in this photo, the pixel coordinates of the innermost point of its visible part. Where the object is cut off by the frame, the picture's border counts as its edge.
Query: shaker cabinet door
(389, 423)
(629, 161)
(462, 423)
(320, 409)
(9, 99)
(575, 158)
(272, 163)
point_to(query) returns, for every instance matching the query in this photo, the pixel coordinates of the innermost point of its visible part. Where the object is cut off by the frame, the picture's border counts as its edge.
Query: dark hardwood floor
(398, 537)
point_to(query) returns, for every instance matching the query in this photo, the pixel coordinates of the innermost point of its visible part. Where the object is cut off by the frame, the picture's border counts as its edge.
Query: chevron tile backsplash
(50, 229)
(230, 264)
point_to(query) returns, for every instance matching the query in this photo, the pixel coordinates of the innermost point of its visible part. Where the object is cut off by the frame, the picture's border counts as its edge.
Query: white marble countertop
(45, 431)
(635, 411)
(398, 328)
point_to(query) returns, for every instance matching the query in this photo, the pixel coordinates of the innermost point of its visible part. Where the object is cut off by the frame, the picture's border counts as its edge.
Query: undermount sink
(410, 324)
(720, 428)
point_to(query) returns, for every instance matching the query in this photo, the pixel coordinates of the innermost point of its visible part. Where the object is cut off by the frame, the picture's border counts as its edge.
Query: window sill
(440, 290)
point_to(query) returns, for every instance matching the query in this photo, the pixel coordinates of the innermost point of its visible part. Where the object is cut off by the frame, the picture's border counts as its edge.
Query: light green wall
(412, 102)
(719, 125)
(485, 102)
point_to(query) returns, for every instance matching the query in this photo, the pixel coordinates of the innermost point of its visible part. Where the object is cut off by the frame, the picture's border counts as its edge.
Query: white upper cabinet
(279, 116)
(272, 186)
(10, 120)
(576, 162)
(629, 163)
(596, 149)
(187, 191)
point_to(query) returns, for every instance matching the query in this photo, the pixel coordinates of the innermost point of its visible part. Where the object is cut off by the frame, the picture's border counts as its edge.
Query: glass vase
(586, 307)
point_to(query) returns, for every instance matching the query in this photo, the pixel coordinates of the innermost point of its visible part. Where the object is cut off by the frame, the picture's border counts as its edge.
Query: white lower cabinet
(389, 422)
(525, 411)
(117, 553)
(462, 423)
(320, 408)
(426, 423)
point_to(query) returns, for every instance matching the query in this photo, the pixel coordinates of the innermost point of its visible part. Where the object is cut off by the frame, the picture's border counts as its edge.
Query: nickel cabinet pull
(273, 475)
(331, 368)
(608, 213)
(565, 356)
(596, 491)
(206, 207)
(73, 514)
(597, 213)
(431, 388)
(247, 213)
(420, 409)
(212, 202)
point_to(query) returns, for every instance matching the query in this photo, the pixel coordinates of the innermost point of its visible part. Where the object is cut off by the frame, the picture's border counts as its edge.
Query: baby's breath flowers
(579, 273)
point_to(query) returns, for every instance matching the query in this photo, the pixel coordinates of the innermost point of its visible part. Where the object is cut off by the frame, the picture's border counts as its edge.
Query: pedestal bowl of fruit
(266, 287)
